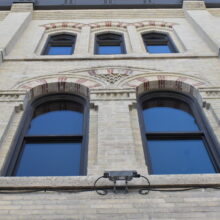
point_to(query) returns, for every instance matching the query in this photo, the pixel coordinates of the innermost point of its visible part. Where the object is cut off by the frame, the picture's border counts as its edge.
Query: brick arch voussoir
(58, 25)
(54, 88)
(58, 84)
(154, 24)
(171, 85)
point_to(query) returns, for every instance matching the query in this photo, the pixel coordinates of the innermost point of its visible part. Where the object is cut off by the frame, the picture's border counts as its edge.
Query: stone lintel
(194, 5)
(22, 7)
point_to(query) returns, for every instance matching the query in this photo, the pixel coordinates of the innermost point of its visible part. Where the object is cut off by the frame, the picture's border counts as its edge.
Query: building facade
(110, 65)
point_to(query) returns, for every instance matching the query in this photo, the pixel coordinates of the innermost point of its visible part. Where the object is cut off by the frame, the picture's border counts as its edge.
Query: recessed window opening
(109, 43)
(62, 44)
(175, 139)
(54, 141)
(158, 43)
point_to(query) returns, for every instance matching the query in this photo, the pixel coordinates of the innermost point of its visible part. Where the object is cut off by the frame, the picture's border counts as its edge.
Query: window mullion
(54, 138)
(173, 135)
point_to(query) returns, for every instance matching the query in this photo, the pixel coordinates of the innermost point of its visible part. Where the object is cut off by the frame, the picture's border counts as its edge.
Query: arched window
(62, 44)
(109, 43)
(158, 43)
(54, 140)
(176, 137)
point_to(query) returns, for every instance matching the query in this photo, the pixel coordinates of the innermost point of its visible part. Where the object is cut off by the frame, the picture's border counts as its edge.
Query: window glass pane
(166, 115)
(109, 50)
(179, 157)
(50, 159)
(57, 118)
(60, 50)
(158, 49)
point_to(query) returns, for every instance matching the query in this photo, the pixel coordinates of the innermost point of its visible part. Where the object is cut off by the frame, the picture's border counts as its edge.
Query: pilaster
(203, 22)
(14, 25)
(83, 46)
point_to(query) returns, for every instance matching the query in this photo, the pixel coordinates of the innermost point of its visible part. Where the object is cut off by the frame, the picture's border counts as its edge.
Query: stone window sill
(193, 180)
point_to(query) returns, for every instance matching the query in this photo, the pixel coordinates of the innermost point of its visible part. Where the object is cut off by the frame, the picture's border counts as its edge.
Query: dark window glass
(53, 145)
(60, 50)
(109, 50)
(57, 118)
(158, 49)
(175, 138)
(179, 157)
(158, 43)
(49, 159)
(109, 44)
(168, 115)
(60, 45)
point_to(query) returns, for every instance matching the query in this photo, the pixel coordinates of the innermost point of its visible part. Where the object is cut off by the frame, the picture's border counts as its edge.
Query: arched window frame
(121, 41)
(26, 120)
(165, 40)
(53, 40)
(210, 141)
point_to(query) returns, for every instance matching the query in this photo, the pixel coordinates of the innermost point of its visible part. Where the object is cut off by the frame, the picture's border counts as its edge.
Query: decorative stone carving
(11, 96)
(113, 94)
(110, 75)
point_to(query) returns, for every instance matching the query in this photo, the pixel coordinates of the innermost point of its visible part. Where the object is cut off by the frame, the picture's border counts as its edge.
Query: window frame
(21, 137)
(165, 41)
(205, 134)
(54, 42)
(121, 41)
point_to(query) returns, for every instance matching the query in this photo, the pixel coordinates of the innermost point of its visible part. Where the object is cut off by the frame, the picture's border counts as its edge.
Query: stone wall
(112, 83)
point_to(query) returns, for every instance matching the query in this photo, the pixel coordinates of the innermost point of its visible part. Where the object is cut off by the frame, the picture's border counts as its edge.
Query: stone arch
(108, 24)
(178, 86)
(61, 87)
(63, 25)
(166, 81)
(40, 86)
(154, 24)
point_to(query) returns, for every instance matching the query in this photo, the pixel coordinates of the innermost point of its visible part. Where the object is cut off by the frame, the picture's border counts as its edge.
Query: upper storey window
(176, 139)
(109, 44)
(158, 43)
(54, 142)
(62, 44)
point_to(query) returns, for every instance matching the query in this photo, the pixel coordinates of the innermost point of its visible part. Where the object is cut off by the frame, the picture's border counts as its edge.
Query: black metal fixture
(126, 176)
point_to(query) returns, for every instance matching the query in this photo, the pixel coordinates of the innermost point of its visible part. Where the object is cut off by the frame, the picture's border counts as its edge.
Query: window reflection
(50, 159)
(57, 118)
(53, 143)
(168, 115)
(62, 44)
(109, 44)
(158, 43)
(175, 141)
(179, 157)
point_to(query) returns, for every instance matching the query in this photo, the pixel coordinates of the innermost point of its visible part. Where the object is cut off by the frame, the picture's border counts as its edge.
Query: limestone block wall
(112, 83)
